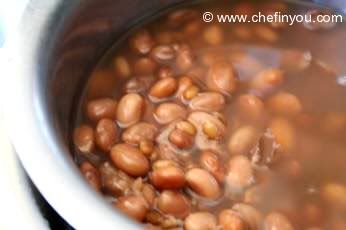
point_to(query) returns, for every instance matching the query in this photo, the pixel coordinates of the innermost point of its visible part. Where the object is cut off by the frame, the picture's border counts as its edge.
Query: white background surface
(18, 209)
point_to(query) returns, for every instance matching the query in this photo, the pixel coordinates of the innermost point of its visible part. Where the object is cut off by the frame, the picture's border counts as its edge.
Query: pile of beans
(176, 134)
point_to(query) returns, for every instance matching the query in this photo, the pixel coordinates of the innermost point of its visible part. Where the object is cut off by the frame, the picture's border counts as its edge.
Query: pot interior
(73, 46)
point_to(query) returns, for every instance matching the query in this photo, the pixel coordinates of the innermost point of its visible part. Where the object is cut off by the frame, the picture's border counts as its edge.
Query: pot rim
(47, 163)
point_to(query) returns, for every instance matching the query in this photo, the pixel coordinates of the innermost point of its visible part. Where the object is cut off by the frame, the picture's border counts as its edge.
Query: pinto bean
(135, 207)
(266, 33)
(106, 134)
(212, 163)
(140, 132)
(200, 221)
(198, 119)
(203, 183)
(285, 104)
(254, 195)
(250, 107)
(138, 84)
(211, 57)
(164, 164)
(193, 28)
(284, 133)
(181, 139)
(185, 58)
(101, 108)
(146, 147)
(240, 174)
(130, 109)
(191, 92)
(171, 177)
(186, 127)
(208, 102)
(313, 214)
(165, 37)
(122, 66)
(114, 182)
(165, 72)
(141, 42)
(84, 139)
(250, 215)
(130, 160)
(211, 130)
(231, 220)
(295, 60)
(163, 88)
(335, 195)
(179, 17)
(222, 77)
(183, 84)
(91, 174)
(267, 80)
(276, 220)
(243, 140)
(334, 122)
(168, 112)
(174, 203)
(149, 193)
(213, 35)
(144, 66)
(243, 32)
(163, 53)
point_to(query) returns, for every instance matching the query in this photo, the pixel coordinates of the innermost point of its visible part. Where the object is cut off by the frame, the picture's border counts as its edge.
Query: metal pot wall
(56, 45)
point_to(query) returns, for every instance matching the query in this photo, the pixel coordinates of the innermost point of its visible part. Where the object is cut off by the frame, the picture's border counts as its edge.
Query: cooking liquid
(318, 156)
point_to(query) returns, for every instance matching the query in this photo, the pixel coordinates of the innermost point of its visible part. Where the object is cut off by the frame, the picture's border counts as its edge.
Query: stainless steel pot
(50, 55)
